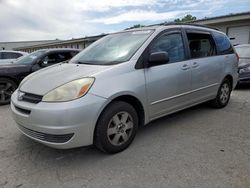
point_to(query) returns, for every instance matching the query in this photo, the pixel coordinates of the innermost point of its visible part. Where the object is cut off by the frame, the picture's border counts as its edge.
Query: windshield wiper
(83, 62)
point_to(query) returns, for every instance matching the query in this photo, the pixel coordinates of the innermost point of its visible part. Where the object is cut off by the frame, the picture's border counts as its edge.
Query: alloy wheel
(120, 128)
(224, 93)
(6, 90)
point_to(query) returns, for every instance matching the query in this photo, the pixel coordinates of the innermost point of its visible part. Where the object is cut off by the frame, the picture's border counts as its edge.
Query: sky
(22, 20)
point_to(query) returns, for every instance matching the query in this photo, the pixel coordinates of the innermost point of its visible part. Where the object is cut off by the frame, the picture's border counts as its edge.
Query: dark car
(244, 63)
(12, 74)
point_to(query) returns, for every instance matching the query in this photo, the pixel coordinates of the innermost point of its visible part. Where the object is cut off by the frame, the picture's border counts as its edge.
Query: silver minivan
(123, 81)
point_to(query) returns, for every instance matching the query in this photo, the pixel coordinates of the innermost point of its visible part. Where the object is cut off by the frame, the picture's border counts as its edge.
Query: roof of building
(64, 42)
(29, 41)
(224, 18)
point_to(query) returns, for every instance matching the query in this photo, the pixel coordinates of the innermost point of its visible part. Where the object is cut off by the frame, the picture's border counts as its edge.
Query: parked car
(123, 81)
(244, 63)
(7, 56)
(12, 74)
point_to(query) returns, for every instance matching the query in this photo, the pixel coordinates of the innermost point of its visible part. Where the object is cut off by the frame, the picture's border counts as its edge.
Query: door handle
(195, 64)
(185, 67)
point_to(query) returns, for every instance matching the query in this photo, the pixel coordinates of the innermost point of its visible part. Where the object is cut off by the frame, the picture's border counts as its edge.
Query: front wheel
(116, 128)
(7, 87)
(223, 95)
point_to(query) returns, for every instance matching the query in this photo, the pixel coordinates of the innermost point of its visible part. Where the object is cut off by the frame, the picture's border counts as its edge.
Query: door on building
(239, 35)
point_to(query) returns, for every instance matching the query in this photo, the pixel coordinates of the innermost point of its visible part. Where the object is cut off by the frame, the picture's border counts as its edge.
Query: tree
(135, 26)
(186, 18)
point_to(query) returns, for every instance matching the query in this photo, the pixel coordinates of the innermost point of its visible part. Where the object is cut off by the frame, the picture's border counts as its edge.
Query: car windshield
(243, 52)
(113, 49)
(29, 59)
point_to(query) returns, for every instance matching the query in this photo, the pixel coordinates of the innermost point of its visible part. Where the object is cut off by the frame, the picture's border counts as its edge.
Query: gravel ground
(198, 147)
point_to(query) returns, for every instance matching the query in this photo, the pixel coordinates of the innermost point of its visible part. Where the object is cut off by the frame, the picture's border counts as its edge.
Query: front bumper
(60, 125)
(244, 78)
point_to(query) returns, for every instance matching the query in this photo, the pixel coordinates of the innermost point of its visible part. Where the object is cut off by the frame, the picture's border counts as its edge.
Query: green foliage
(186, 18)
(135, 26)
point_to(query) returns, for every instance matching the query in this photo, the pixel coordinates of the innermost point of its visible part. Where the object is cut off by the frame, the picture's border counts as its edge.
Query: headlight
(69, 91)
(246, 69)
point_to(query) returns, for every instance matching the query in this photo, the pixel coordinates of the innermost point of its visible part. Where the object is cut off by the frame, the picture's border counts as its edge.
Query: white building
(236, 26)
(18, 44)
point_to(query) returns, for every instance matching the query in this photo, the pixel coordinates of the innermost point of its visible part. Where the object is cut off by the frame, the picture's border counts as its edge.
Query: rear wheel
(223, 95)
(116, 127)
(7, 87)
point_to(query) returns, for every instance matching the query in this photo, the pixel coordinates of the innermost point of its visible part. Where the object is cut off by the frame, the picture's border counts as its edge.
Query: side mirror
(158, 58)
(42, 63)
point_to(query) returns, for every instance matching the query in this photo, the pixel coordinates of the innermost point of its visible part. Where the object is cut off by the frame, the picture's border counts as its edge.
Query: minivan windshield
(113, 49)
(29, 59)
(243, 52)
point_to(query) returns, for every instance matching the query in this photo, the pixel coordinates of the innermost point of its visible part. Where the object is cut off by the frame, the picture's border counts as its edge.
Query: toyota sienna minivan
(123, 81)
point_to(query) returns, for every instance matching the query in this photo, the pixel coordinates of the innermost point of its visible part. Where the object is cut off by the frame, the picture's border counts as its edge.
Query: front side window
(223, 44)
(172, 44)
(56, 58)
(200, 45)
(113, 49)
(16, 55)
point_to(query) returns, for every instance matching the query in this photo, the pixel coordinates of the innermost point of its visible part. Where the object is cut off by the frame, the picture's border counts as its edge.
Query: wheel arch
(130, 99)
(10, 78)
(229, 77)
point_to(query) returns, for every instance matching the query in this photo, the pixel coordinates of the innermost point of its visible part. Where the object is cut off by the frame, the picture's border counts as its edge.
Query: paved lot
(199, 147)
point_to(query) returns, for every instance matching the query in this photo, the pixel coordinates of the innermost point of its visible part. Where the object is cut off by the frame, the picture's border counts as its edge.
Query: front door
(168, 85)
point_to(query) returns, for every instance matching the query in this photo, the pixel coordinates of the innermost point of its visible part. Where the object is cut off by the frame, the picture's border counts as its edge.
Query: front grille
(47, 137)
(32, 98)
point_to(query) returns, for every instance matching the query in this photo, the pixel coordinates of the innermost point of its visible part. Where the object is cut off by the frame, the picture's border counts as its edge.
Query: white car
(122, 81)
(7, 56)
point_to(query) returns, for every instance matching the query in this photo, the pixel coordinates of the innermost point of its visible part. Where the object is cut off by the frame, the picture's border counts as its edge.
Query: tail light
(238, 58)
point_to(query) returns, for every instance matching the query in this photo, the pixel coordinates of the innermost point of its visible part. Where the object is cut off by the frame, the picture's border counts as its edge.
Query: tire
(7, 87)
(223, 95)
(116, 127)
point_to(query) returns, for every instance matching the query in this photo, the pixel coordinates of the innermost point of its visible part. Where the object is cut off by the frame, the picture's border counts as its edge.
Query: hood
(244, 63)
(45, 80)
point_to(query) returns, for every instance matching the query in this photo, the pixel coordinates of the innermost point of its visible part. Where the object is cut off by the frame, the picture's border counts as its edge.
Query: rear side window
(10, 55)
(200, 45)
(7, 55)
(223, 44)
(172, 44)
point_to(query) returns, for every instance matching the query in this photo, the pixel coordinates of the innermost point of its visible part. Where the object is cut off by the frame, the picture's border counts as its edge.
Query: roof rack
(181, 23)
(191, 24)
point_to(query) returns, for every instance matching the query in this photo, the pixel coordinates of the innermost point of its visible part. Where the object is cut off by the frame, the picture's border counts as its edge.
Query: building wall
(238, 32)
(224, 26)
(13, 45)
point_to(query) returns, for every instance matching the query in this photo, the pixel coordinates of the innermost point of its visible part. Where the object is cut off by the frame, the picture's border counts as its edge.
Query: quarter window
(200, 45)
(172, 44)
(223, 44)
